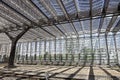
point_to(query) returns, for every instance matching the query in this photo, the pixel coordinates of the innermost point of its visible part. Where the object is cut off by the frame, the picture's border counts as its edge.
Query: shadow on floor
(109, 74)
(91, 74)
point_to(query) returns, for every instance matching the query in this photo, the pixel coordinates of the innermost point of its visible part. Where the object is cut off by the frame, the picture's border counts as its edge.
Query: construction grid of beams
(59, 18)
(61, 26)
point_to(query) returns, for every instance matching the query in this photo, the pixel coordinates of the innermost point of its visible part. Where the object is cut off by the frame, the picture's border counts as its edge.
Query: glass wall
(68, 49)
(4, 52)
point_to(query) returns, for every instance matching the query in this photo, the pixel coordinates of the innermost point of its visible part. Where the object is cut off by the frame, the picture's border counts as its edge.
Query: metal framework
(62, 26)
(15, 14)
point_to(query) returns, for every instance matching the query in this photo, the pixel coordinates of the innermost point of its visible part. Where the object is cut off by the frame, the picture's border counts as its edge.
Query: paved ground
(64, 72)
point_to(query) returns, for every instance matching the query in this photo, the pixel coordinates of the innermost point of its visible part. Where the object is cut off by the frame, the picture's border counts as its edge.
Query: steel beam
(105, 6)
(60, 30)
(49, 8)
(83, 19)
(116, 28)
(39, 10)
(55, 46)
(48, 32)
(99, 50)
(46, 16)
(82, 28)
(112, 21)
(15, 10)
(117, 58)
(90, 14)
(26, 18)
(108, 55)
(77, 7)
(67, 16)
(10, 21)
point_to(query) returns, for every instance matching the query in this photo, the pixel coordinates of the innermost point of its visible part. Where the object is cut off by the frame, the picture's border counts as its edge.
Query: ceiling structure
(58, 18)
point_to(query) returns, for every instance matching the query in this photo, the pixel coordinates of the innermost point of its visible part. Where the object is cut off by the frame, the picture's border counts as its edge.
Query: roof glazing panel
(105, 23)
(84, 5)
(18, 12)
(95, 25)
(52, 30)
(77, 26)
(86, 26)
(56, 7)
(70, 6)
(117, 20)
(97, 7)
(68, 28)
(113, 5)
(42, 8)
(62, 29)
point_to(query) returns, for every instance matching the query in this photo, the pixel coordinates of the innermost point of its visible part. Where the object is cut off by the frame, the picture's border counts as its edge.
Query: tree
(14, 41)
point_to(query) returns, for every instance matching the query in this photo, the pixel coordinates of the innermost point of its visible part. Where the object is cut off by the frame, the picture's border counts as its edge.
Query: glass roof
(56, 7)
(117, 20)
(59, 18)
(105, 23)
(77, 26)
(70, 6)
(95, 25)
(41, 7)
(113, 5)
(86, 26)
(68, 28)
(97, 7)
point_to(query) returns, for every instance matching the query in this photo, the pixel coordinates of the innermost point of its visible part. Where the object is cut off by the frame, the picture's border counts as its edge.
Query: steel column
(108, 56)
(116, 49)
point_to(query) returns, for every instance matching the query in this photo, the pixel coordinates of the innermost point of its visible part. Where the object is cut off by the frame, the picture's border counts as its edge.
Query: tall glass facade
(100, 49)
(68, 49)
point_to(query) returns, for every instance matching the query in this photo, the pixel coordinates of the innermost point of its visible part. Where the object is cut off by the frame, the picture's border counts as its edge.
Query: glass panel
(84, 5)
(68, 28)
(21, 7)
(97, 7)
(117, 20)
(71, 46)
(95, 25)
(41, 7)
(56, 7)
(70, 6)
(86, 26)
(103, 49)
(84, 8)
(113, 6)
(105, 23)
(49, 30)
(61, 28)
(77, 26)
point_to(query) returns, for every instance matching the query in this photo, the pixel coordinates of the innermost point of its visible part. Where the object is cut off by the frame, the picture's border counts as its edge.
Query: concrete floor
(71, 72)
